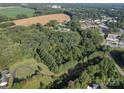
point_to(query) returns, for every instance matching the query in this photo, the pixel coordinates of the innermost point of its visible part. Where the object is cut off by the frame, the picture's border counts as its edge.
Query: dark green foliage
(91, 40)
(74, 25)
(42, 86)
(6, 24)
(0, 75)
(21, 16)
(47, 59)
(118, 57)
(102, 72)
(3, 18)
(77, 55)
(52, 23)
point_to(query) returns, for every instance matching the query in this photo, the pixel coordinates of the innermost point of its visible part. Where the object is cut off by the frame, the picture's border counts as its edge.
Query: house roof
(113, 37)
(4, 76)
(94, 86)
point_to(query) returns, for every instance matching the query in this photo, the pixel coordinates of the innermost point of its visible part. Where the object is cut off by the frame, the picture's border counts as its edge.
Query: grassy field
(28, 67)
(34, 83)
(14, 11)
(23, 71)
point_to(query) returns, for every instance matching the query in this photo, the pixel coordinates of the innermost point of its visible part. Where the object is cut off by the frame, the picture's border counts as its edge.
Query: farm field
(43, 19)
(12, 12)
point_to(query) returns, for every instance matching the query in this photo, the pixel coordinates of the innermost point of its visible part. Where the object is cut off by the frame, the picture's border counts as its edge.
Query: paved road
(118, 68)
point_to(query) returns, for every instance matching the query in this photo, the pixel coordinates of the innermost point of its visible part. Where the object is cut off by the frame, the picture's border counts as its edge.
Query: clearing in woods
(28, 67)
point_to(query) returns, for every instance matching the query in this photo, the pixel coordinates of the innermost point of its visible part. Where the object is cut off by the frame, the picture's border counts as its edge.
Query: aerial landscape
(61, 46)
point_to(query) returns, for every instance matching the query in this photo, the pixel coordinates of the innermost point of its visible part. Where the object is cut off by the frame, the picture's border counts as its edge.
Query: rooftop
(113, 37)
(94, 86)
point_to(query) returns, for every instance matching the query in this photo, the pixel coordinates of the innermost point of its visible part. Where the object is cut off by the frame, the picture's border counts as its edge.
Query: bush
(21, 16)
(6, 24)
(3, 18)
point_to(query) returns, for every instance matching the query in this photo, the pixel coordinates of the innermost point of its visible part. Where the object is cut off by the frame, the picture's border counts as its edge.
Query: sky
(61, 1)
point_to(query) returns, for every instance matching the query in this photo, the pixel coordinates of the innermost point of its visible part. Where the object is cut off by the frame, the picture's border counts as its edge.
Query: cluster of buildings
(54, 6)
(105, 19)
(85, 24)
(62, 28)
(113, 40)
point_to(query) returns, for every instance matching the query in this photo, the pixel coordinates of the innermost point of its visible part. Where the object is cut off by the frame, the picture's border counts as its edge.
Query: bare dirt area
(43, 19)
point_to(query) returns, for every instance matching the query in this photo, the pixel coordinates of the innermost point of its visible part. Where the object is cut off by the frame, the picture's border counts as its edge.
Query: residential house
(4, 79)
(93, 86)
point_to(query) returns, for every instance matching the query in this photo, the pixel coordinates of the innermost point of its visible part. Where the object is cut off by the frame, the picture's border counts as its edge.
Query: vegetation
(21, 16)
(0, 75)
(6, 24)
(52, 23)
(41, 57)
(119, 57)
(12, 12)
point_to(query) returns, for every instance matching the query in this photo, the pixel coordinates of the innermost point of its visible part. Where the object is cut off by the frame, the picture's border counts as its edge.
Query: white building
(88, 24)
(113, 38)
(94, 86)
(4, 79)
(3, 84)
(56, 6)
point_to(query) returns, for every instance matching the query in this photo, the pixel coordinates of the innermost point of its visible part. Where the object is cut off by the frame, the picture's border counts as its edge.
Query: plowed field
(42, 19)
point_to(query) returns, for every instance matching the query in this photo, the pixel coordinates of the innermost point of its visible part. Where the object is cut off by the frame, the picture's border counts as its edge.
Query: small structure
(63, 29)
(55, 6)
(88, 24)
(94, 86)
(97, 21)
(113, 37)
(4, 79)
(113, 40)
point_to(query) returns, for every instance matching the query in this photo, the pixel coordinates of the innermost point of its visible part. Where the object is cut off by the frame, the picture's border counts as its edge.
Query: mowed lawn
(34, 83)
(12, 12)
(28, 67)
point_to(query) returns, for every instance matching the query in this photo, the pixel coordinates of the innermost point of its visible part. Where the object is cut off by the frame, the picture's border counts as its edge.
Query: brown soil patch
(42, 19)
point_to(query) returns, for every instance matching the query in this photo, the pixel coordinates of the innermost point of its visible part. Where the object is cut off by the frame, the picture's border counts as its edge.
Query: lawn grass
(12, 12)
(23, 72)
(34, 83)
(27, 67)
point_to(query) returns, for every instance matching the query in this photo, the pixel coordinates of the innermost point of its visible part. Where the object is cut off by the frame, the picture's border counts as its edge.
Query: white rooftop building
(94, 86)
(113, 37)
(113, 40)
(4, 79)
(56, 6)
